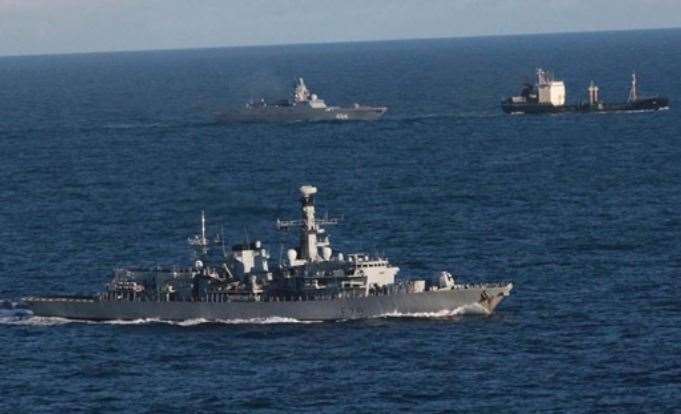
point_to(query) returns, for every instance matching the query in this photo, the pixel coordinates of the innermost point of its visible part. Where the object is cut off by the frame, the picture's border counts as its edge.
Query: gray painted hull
(301, 114)
(468, 299)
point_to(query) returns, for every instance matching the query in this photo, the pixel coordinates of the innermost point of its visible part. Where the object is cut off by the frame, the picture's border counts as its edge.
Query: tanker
(547, 96)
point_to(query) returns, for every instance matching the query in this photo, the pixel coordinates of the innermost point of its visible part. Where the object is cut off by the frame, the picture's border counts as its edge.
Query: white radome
(308, 190)
(292, 255)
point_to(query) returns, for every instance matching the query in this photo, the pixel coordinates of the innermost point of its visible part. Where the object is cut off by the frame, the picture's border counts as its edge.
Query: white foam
(255, 321)
(34, 321)
(31, 320)
(475, 309)
(25, 317)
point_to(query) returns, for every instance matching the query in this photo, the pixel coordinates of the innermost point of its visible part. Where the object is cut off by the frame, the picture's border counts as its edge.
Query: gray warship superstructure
(313, 282)
(303, 106)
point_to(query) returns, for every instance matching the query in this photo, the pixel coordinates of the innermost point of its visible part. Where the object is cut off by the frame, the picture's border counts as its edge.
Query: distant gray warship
(311, 283)
(302, 107)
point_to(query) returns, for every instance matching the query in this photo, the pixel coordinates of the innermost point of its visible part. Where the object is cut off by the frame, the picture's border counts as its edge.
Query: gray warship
(311, 283)
(303, 106)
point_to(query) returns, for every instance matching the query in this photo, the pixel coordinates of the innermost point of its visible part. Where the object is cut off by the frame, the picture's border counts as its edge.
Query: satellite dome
(308, 190)
(291, 255)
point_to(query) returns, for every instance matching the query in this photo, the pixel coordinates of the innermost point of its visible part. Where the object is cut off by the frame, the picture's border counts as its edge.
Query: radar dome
(291, 254)
(308, 190)
(326, 253)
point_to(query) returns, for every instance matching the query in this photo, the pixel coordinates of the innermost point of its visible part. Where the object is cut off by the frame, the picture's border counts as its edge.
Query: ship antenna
(200, 242)
(633, 92)
(203, 227)
(222, 239)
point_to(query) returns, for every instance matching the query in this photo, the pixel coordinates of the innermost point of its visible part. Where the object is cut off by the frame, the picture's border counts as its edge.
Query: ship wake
(28, 319)
(13, 313)
(473, 309)
(17, 315)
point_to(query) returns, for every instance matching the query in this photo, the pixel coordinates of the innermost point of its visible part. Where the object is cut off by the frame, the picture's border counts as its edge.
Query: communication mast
(312, 235)
(633, 92)
(200, 242)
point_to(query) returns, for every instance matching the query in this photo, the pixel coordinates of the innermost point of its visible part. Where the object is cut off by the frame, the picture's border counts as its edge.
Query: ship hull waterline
(294, 114)
(648, 104)
(481, 300)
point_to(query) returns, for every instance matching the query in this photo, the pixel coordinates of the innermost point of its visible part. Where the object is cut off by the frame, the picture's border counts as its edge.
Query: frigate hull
(478, 299)
(301, 113)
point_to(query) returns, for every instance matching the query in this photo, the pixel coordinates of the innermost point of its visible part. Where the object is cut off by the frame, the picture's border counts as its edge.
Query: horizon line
(337, 42)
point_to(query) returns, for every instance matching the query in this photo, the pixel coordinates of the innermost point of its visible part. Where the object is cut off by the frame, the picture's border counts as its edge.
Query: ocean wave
(442, 115)
(133, 125)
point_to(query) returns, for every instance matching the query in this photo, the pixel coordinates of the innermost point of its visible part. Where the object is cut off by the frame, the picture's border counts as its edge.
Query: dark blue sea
(108, 159)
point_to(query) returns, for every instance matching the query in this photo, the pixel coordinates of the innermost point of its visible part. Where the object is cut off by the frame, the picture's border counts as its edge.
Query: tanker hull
(648, 104)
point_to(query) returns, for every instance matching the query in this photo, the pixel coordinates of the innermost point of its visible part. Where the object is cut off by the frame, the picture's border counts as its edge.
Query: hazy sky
(58, 26)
